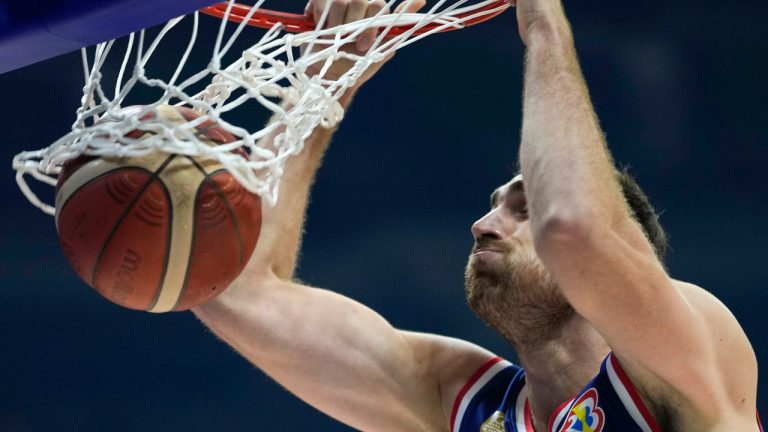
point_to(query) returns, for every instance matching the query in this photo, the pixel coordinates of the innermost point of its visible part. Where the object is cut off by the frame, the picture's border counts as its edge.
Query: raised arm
(329, 350)
(669, 335)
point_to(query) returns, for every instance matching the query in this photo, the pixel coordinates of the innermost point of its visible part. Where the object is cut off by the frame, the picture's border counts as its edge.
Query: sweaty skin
(566, 238)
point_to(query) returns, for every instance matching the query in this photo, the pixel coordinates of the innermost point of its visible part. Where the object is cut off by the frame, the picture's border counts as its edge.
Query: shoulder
(709, 306)
(733, 358)
(724, 385)
(730, 343)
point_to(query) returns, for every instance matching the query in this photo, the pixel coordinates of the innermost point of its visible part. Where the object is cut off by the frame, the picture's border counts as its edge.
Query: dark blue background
(679, 87)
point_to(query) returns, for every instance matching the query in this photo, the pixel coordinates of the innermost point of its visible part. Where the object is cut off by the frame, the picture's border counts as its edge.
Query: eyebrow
(517, 186)
(494, 197)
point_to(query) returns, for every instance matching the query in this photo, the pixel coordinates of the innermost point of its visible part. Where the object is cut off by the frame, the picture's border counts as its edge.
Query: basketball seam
(185, 284)
(225, 202)
(125, 213)
(168, 240)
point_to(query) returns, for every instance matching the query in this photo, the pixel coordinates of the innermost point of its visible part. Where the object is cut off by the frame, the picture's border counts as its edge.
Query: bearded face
(506, 284)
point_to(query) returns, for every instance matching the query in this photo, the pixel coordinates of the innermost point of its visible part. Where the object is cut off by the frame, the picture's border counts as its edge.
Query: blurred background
(679, 87)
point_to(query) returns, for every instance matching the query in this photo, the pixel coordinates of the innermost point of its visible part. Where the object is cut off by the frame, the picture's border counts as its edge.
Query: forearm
(568, 171)
(330, 351)
(282, 224)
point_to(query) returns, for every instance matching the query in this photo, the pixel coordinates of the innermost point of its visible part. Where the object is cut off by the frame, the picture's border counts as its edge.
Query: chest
(608, 403)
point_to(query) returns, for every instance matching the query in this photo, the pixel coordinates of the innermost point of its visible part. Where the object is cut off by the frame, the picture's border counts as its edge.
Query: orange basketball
(161, 232)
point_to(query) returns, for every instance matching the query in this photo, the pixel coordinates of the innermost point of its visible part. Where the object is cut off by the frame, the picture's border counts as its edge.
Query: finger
(417, 5)
(366, 39)
(337, 13)
(411, 6)
(317, 6)
(317, 9)
(356, 10)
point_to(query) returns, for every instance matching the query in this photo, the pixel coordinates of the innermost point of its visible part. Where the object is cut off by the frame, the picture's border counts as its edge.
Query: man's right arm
(332, 352)
(342, 357)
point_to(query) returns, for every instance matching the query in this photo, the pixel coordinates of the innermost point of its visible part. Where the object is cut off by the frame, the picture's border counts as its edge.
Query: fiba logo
(585, 415)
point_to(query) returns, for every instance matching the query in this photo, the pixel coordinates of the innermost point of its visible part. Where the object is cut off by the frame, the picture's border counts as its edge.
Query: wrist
(549, 34)
(346, 99)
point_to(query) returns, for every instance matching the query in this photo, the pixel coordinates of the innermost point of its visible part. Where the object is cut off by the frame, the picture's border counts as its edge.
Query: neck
(557, 369)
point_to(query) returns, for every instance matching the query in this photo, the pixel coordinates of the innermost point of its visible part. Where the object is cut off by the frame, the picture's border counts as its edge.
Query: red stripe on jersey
(634, 394)
(555, 413)
(472, 380)
(528, 417)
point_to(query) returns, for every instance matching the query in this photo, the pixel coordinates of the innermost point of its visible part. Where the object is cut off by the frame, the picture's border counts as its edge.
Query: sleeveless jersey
(494, 400)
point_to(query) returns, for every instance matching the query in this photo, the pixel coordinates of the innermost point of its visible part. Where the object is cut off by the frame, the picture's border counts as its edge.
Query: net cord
(268, 73)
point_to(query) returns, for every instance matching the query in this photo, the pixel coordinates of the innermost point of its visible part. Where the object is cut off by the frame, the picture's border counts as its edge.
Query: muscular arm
(665, 334)
(332, 352)
(329, 350)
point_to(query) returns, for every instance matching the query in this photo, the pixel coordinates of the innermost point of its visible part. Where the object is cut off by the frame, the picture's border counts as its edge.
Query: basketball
(161, 232)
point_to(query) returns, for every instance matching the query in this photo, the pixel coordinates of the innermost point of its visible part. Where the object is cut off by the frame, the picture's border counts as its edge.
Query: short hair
(643, 212)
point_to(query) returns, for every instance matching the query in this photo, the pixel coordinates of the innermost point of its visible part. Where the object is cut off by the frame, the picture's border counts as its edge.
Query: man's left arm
(583, 232)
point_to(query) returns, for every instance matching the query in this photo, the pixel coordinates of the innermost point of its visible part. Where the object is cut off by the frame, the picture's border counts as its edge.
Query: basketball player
(564, 267)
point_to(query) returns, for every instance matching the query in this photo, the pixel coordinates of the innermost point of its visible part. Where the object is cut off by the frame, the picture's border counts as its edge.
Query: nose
(487, 226)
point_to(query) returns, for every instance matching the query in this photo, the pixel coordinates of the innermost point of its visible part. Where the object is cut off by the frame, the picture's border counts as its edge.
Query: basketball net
(271, 72)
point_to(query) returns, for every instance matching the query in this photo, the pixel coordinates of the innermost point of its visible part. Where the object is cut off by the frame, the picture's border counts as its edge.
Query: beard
(515, 294)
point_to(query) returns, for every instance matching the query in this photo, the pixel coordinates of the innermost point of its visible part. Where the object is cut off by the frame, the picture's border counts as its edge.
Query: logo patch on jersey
(495, 423)
(585, 415)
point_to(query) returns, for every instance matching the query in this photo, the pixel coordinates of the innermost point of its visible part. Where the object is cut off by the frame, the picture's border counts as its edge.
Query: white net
(271, 72)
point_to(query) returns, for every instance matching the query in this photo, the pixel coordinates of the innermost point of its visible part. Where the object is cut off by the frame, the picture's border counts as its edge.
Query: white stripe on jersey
(522, 397)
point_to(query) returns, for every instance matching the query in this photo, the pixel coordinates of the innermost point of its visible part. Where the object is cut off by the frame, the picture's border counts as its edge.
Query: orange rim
(298, 23)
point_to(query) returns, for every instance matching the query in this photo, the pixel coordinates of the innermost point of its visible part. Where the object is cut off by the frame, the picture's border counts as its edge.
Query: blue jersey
(495, 400)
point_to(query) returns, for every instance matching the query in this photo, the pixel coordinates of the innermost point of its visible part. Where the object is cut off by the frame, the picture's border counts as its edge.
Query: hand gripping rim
(299, 23)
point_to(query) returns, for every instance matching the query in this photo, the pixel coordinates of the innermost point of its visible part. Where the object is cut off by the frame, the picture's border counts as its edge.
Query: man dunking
(566, 266)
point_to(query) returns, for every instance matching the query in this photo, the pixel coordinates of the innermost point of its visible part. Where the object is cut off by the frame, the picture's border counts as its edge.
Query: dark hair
(643, 212)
